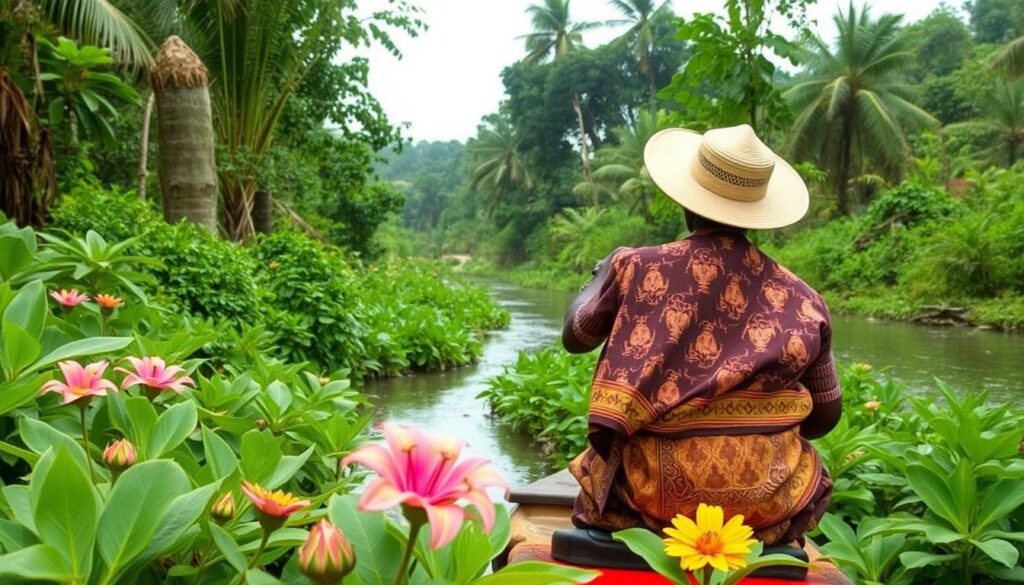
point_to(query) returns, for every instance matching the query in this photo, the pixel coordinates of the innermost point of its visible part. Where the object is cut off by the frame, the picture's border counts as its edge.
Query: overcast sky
(449, 76)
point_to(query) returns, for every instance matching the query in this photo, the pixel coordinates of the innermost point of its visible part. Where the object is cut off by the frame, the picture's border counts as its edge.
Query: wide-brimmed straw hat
(727, 175)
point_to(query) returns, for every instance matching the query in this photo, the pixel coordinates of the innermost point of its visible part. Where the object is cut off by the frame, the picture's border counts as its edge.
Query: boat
(542, 531)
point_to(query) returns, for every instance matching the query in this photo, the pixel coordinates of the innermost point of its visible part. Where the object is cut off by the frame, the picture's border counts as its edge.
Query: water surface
(968, 359)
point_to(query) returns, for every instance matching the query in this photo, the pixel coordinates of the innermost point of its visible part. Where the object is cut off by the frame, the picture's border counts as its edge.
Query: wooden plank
(557, 489)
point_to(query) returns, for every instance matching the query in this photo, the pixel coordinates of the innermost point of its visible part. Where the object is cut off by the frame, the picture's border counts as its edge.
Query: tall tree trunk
(652, 85)
(185, 161)
(262, 219)
(584, 151)
(841, 178)
(147, 114)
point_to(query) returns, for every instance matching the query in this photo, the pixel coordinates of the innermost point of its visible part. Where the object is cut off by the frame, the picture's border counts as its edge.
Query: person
(717, 365)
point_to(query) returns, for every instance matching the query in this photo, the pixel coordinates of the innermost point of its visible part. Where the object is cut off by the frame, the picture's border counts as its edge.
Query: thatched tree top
(177, 65)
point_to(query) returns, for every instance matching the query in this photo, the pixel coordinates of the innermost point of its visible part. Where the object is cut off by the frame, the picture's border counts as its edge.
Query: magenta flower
(424, 471)
(69, 298)
(80, 383)
(153, 373)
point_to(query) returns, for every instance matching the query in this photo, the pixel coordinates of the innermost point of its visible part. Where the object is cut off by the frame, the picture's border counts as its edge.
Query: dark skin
(823, 417)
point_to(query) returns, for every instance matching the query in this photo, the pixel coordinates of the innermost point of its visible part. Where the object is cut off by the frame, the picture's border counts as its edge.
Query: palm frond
(100, 23)
(1010, 58)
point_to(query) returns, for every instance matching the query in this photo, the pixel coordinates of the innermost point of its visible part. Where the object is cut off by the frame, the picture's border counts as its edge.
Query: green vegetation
(923, 493)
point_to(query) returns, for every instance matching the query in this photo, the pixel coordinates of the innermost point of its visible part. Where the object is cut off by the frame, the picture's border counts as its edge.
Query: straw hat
(727, 175)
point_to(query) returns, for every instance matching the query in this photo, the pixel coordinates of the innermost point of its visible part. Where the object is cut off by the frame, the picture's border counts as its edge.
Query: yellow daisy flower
(708, 542)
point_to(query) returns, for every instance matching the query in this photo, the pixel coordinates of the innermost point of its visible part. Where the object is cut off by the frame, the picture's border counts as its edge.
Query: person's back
(715, 357)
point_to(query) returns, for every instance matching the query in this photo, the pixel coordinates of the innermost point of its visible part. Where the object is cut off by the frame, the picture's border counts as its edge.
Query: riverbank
(1003, 313)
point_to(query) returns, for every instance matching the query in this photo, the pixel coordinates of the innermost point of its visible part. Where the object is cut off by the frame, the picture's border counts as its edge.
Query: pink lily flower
(80, 383)
(69, 298)
(424, 471)
(153, 373)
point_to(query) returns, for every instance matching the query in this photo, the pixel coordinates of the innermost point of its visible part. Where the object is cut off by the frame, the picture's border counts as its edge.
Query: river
(967, 359)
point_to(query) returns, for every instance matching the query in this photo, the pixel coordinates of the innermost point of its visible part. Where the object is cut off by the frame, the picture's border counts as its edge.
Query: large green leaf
(40, 437)
(916, 559)
(287, 468)
(39, 562)
(82, 347)
(937, 494)
(142, 416)
(15, 255)
(135, 510)
(20, 348)
(183, 513)
(378, 551)
(66, 512)
(1001, 499)
(28, 309)
(16, 394)
(652, 549)
(998, 550)
(261, 455)
(228, 547)
(174, 426)
(537, 573)
(220, 458)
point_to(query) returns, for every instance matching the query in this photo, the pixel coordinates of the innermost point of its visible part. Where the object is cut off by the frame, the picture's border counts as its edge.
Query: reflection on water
(967, 359)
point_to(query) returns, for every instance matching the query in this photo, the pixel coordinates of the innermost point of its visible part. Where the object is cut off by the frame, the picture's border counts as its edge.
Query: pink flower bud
(119, 455)
(326, 556)
(872, 405)
(223, 509)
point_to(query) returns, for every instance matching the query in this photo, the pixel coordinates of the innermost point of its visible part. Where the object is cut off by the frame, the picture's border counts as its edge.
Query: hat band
(727, 184)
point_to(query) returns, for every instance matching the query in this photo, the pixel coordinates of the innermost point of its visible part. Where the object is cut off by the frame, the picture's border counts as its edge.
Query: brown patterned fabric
(714, 354)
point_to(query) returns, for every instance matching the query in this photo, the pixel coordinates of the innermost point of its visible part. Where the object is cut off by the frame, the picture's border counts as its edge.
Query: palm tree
(1003, 119)
(1011, 58)
(497, 165)
(638, 15)
(620, 168)
(855, 105)
(555, 36)
(188, 171)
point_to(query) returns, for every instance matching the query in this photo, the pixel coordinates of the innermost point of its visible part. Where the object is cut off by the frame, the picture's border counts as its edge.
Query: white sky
(449, 76)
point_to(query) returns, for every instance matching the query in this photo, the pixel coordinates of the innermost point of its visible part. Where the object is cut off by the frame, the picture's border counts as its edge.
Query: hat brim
(668, 157)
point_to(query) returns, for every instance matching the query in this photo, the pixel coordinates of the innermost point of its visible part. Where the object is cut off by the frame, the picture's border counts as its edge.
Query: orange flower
(108, 302)
(273, 506)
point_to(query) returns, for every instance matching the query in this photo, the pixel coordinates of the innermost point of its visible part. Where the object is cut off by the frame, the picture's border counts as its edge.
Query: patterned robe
(714, 354)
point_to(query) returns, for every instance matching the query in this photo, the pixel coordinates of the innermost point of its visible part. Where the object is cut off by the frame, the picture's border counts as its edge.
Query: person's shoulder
(798, 284)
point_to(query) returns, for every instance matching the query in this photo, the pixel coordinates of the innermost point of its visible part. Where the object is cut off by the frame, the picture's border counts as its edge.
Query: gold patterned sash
(742, 411)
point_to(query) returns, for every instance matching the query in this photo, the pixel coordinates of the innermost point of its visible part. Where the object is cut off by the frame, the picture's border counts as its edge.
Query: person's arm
(822, 381)
(589, 317)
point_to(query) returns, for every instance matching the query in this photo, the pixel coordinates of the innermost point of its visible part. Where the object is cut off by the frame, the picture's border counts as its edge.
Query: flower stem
(708, 571)
(259, 552)
(414, 531)
(85, 444)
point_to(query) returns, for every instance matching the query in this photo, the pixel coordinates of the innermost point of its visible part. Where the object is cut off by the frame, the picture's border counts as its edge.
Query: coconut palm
(620, 168)
(1002, 118)
(855, 106)
(554, 36)
(1011, 58)
(497, 165)
(638, 15)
